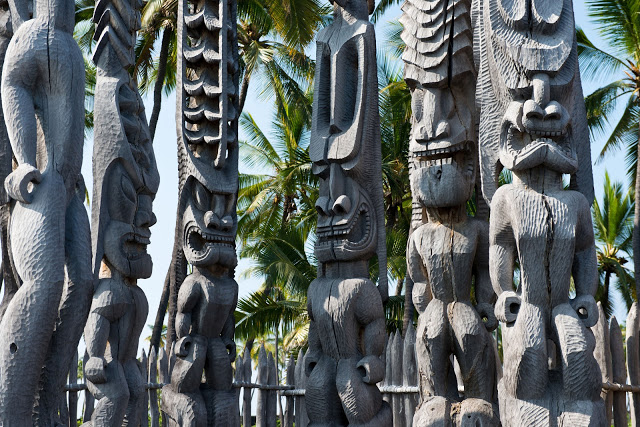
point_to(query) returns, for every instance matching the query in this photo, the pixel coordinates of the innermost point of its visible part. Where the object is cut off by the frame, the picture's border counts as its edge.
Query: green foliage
(613, 229)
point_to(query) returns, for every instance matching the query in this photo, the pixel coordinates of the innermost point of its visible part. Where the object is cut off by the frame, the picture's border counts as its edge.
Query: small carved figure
(43, 102)
(450, 250)
(125, 183)
(533, 122)
(202, 305)
(347, 330)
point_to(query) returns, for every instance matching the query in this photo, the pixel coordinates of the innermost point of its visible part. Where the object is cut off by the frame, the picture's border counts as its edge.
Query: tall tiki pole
(125, 181)
(347, 330)
(533, 122)
(49, 230)
(448, 252)
(202, 304)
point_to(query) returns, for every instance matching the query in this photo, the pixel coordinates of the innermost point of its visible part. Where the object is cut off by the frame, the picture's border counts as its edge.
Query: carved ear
(372, 5)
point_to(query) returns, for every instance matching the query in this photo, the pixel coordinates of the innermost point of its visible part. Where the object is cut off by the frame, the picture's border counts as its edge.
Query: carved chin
(444, 177)
(202, 249)
(351, 241)
(128, 254)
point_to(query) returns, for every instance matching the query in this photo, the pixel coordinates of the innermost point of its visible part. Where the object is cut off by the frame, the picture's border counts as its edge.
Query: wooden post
(301, 380)
(239, 373)
(272, 395)
(633, 361)
(388, 367)
(396, 363)
(246, 398)
(263, 379)
(73, 395)
(410, 373)
(88, 397)
(144, 403)
(289, 411)
(602, 354)
(152, 376)
(619, 374)
(163, 375)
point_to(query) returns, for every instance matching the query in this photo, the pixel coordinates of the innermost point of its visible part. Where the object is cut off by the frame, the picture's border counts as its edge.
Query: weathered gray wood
(633, 360)
(272, 395)
(448, 251)
(262, 398)
(152, 377)
(388, 361)
(533, 122)
(88, 397)
(73, 395)
(397, 399)
(163, 374)
(49, 229)
(302, 418)
(602, 354)
(238, 378)
(290, 410)
(146, 378)
(343, 368)
(246, 394)
(125, 181)
(409, 374)
(619, 373)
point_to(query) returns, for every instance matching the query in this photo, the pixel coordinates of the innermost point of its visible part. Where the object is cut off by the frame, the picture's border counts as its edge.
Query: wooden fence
(283, 398)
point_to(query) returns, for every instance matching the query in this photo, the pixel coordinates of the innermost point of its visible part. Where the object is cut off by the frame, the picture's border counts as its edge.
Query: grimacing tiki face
(442, 148)
(130, 217)
(210, 226)
(346, 218)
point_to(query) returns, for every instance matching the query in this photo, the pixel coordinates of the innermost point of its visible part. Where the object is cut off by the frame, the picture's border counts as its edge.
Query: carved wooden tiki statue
(449, 251)
(533, 122)
(347, 332)
(43, 102)
(125, 178)
(205, 301)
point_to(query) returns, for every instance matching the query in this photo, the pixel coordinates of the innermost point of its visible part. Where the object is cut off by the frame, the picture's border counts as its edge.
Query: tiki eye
(127, 188)
(201, 196)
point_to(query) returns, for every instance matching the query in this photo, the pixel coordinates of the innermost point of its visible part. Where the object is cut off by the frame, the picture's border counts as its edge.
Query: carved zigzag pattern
(209, 86)
(116, 24)
(437, 34)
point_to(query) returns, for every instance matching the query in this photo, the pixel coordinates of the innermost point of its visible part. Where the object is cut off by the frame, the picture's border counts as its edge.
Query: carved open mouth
(135, 244)
(518, 140)
(460, 155)
(200, 241)
(353, 232)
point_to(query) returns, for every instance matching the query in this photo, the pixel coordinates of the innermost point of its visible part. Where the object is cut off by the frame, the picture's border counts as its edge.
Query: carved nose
(213, 221)
(145, 218)
(322, 206)
(342, 205)
(433, 132)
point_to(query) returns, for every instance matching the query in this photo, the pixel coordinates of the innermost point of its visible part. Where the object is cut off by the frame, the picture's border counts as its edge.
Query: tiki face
(209, 226)
(442, 151)
(537, 130)
(535, 43)
(130, 217)
(346, 218)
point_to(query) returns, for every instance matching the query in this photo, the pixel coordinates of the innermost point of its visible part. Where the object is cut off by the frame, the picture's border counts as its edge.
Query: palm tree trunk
(636, 226)
(157, 89)
(243, 91)
(156, 334)
(605, 293)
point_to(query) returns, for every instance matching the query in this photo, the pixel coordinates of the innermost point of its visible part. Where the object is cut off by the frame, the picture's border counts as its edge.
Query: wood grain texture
(532, 122)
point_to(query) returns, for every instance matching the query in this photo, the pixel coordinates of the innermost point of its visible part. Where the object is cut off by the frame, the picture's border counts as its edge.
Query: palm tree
(618, 22)
(613, 227)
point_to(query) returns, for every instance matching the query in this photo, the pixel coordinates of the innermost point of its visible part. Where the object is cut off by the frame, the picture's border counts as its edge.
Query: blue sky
(166, 199)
